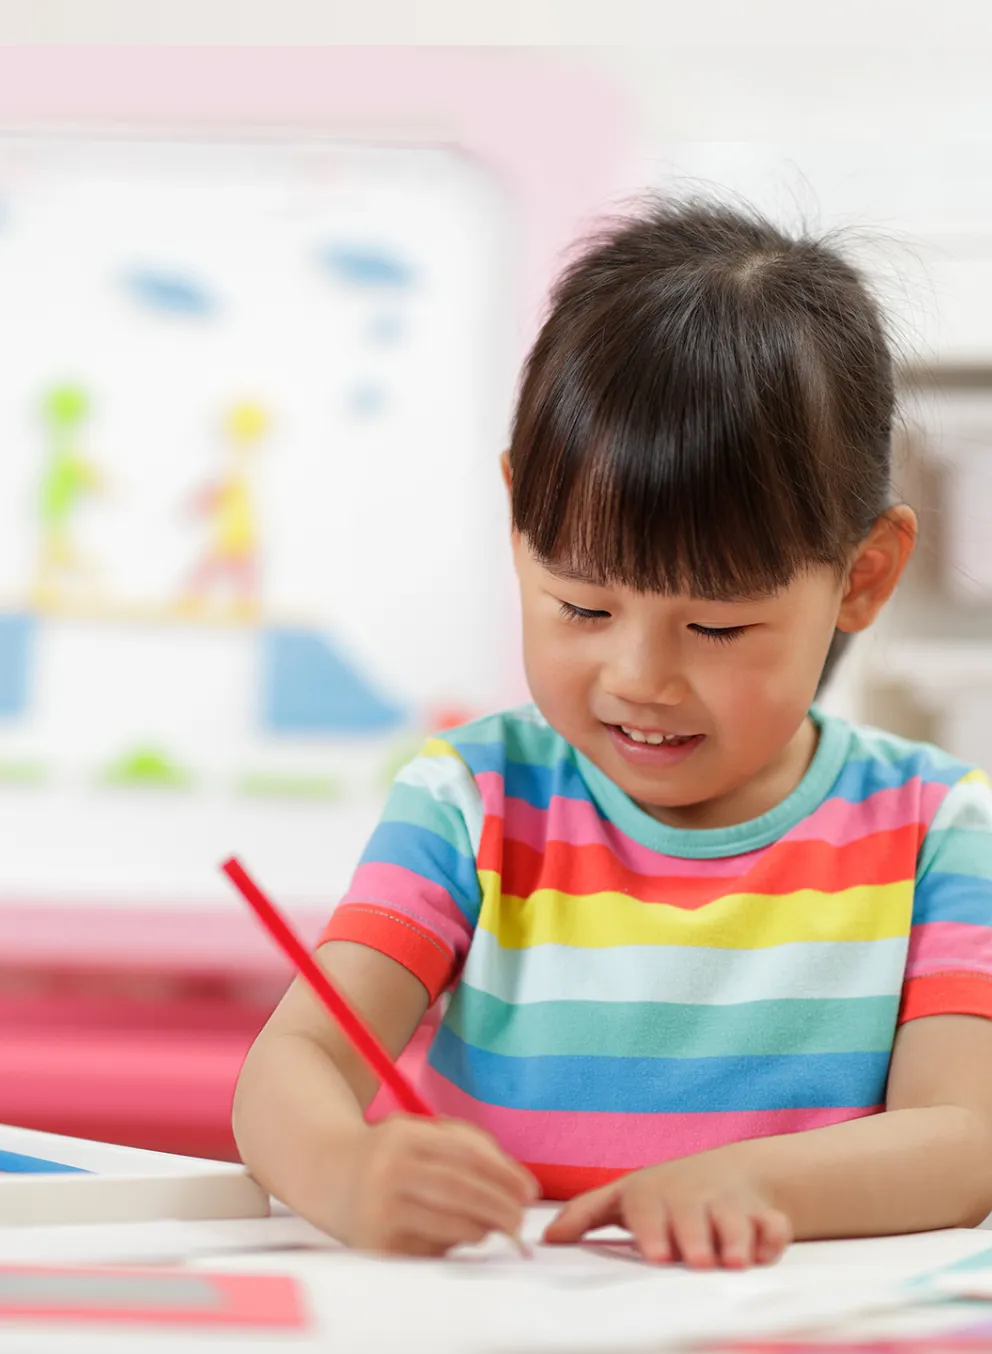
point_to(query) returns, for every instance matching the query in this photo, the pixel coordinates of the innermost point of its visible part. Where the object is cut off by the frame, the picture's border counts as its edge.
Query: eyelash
(720, 635)
(727, 635)
(579, 613)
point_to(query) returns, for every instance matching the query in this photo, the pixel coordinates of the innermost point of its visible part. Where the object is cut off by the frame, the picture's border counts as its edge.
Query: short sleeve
(949, 966)
(415, 895)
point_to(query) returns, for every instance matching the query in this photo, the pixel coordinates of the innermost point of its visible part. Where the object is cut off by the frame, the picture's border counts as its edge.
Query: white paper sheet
(487, 1300)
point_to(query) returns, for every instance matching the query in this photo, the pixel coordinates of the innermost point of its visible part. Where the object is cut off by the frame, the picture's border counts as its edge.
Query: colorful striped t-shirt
(623, 992)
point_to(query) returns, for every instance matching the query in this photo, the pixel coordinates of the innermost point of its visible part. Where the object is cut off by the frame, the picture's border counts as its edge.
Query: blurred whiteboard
(356, 295)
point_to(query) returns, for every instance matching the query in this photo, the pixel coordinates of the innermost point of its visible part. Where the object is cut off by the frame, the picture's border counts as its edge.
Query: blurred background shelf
(925, 670)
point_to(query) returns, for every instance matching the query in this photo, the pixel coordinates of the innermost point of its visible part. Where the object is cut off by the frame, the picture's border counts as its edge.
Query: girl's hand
(421, 1186)
(703, 1210)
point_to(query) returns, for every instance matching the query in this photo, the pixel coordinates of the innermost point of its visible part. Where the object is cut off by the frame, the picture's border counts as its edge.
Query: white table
(122, 1184)
(383, 1306)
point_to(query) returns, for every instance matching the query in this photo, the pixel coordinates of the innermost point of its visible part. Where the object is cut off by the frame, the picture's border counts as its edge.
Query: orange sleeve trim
(391, 933)
(946, 994)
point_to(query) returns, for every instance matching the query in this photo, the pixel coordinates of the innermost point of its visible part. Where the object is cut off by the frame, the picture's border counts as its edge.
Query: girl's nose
(642, 676)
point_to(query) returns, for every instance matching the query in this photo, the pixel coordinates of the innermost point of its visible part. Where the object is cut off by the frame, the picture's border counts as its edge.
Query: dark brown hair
(707, 409)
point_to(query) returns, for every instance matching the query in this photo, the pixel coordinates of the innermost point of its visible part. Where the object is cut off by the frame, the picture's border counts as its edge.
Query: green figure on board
(67, 480)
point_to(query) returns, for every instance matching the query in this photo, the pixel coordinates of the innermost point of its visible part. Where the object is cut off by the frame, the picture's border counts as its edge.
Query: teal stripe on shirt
(411, 805)
(665, 1029)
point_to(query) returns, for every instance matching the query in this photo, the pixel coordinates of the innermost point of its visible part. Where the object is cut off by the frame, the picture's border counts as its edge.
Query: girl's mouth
(647, 747)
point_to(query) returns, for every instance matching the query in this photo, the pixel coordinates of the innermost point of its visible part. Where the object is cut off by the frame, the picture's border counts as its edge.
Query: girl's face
(728, 684)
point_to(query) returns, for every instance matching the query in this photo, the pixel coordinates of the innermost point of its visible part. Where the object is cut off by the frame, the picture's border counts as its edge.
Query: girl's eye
(581, 613)
(722, 635)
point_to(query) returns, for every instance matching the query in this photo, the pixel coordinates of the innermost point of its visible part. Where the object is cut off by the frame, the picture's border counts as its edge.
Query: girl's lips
(652, 754)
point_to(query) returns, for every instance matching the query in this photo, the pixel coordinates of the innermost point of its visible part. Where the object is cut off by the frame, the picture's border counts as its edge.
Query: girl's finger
(692, 1231)
(419, 1230)
(774, 1234)
(463, 1144)
(650, 1225)
(598, 1208)
(447, 1189)
(417, 1246)
(736, 1236)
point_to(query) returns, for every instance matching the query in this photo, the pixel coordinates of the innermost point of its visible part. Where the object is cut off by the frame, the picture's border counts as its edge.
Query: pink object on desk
(160, 1296)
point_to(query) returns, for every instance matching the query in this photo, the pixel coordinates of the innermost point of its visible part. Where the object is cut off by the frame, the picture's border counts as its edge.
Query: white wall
(895, 147)
(917, 216)
(955, 25)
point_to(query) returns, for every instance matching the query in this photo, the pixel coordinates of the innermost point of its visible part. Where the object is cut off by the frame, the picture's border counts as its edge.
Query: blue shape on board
(367, 267)
(17, 632)
(16, 1163)
(309, 686)
(367, 400)
(171, 292)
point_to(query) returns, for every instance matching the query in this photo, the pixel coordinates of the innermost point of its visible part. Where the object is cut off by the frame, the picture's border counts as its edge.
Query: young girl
(719, 964)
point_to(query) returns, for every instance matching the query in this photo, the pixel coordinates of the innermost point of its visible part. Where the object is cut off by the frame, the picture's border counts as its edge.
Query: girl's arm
(406, 1185)
(303, 1091)
(924, 1164)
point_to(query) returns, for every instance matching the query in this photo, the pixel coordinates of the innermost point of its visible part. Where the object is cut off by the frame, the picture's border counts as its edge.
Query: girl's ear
(504, 465)
(877, 568)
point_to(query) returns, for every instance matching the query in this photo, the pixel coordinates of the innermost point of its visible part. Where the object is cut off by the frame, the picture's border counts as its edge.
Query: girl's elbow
(977, 1206)
(243, 1104)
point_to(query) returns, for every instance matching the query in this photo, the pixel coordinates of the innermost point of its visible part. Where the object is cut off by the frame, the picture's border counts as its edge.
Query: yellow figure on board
(231, 557)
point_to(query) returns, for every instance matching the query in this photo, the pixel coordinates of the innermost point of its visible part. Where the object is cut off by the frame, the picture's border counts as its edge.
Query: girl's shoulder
(878, 753)
(887, 779)
(519, 735)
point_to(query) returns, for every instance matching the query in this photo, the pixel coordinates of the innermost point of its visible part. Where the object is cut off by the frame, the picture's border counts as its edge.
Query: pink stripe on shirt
(422, 899)
(577, 823)
(619, 1141)
(838, 822)
(945, 946)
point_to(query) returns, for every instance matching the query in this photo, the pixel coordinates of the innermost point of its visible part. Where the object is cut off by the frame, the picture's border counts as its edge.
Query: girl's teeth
(636, 736)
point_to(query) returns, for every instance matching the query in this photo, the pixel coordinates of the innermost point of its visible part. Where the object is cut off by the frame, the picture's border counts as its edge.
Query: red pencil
(351, 1024)
(362, 1038)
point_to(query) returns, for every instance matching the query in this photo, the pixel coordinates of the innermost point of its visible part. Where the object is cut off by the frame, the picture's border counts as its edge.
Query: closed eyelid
(580, 613)
(716, 629)
(725, 634)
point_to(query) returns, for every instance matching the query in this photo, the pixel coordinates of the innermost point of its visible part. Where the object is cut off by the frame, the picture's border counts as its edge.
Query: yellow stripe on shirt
(740, 921)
